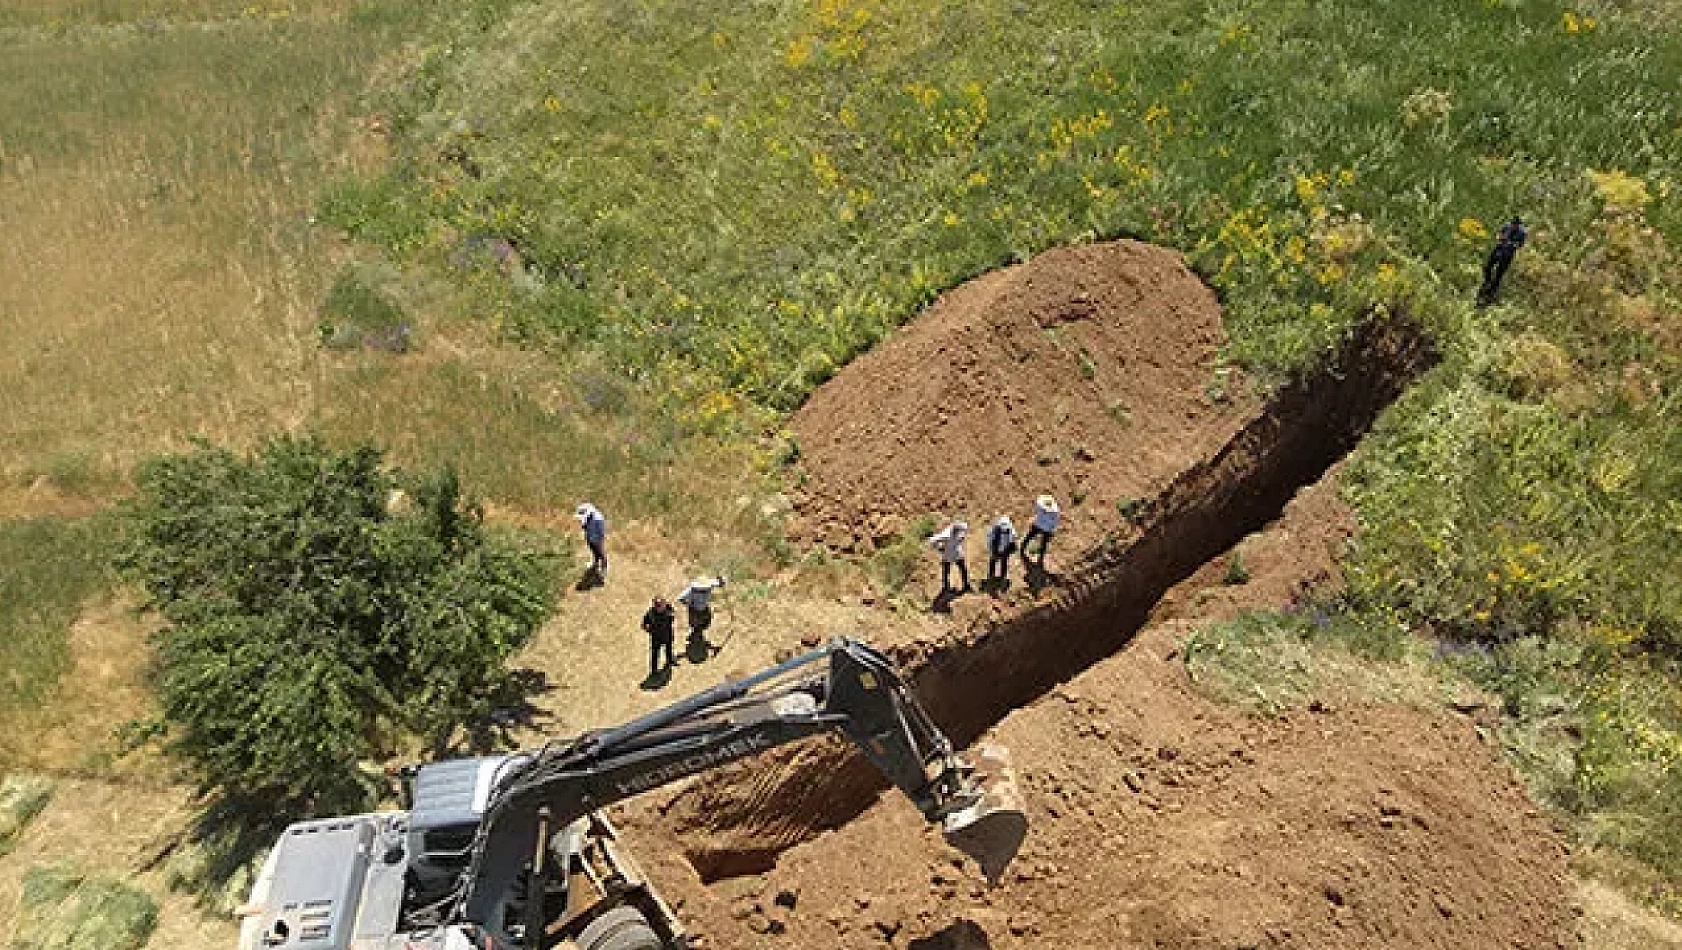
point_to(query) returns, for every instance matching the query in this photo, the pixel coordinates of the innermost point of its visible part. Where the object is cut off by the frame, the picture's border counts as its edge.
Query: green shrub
(316, 607)
(895, 563)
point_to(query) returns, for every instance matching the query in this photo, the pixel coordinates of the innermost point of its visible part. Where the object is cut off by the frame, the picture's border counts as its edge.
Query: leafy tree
(318, 605)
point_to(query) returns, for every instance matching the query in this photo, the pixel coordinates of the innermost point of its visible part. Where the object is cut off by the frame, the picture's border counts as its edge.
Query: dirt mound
(1087, 373)
(1162, 819)
(1159, 818)
(1012, 649)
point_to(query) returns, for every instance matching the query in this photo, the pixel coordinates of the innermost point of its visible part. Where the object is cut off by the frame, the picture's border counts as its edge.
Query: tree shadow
(511, 708)
(960, 934)
(214, 857)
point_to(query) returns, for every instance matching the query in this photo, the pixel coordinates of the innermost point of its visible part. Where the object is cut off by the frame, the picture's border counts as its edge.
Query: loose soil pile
(1159, 817)
(1088, 373)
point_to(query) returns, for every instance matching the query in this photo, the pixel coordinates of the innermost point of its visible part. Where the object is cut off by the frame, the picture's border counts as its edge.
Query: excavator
(513, 852)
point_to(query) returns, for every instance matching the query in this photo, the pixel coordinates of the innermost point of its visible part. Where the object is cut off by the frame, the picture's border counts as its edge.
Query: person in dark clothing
(1001, 544)
(659, 622)
(1507, 243)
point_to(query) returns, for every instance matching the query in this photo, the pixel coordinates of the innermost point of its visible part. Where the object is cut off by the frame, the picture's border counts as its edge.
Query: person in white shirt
(1046, 519)
(595, 535)
(950, 544)
(1001, 544)
(697, 598)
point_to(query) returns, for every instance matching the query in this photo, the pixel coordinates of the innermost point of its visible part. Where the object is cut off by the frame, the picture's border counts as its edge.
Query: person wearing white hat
(950, 544)
(697, 598)
(1046, 518)
(595, 535)
(1001, 544)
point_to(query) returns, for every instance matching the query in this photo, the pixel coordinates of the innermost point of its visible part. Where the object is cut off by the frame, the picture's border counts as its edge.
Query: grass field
(163, 280)
(784, 183)
(684, 256)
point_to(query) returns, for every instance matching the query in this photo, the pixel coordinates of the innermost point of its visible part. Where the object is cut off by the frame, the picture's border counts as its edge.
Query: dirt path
(594, 654)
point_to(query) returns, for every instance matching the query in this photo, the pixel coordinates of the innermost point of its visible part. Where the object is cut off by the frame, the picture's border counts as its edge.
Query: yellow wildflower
(825, 170)
(1620, 191)
(1471, 229)
(799, 52)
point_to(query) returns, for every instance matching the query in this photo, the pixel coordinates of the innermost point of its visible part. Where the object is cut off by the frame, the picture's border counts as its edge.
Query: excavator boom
(488, 843)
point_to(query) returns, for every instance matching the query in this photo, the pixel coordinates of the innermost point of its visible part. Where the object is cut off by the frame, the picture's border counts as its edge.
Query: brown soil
(1088, 373)
(1160, 818)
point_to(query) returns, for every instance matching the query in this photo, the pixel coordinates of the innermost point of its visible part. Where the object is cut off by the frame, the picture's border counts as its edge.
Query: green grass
(784, 184)
(62, 909)
(22, 798)
(49, 567)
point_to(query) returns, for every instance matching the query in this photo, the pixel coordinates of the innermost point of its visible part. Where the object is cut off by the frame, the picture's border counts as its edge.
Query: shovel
(991, 828)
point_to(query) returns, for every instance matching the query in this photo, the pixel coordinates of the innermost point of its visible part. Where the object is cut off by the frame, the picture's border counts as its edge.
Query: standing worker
(595, 535)
(950, 544)
(1046, 518)
(658, 621)
(1001, 544)
(1507, 243)
(698, 599)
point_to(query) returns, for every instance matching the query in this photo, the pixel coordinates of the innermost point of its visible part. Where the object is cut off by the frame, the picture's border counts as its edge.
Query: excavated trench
(739, 820)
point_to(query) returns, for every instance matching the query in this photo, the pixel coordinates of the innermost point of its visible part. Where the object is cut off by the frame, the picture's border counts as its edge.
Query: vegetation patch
(22, 797)
(63, 909)
(360, 311)
(49, 567)
(321, 609)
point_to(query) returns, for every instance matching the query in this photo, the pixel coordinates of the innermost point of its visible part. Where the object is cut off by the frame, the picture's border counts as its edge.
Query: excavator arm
(486, 839)
(844, 686)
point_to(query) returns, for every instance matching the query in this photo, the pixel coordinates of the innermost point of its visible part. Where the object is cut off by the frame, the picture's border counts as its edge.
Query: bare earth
(1160, 818)
(1086, 373)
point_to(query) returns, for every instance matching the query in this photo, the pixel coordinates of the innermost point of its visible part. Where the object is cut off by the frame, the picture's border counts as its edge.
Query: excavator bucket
(990, 830)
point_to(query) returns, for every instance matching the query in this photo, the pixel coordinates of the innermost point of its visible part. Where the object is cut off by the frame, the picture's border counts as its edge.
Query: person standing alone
(595, 535)
(1507, 243)
(659, 621)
